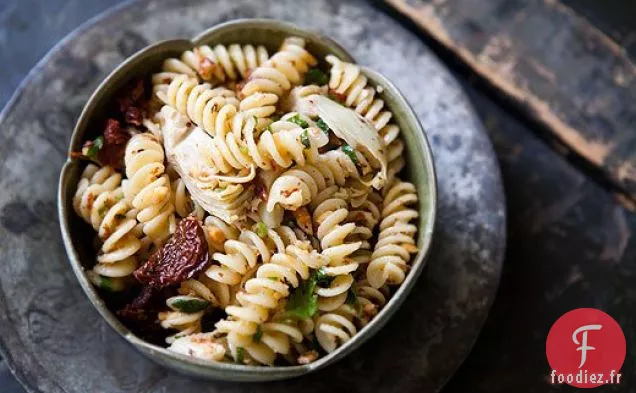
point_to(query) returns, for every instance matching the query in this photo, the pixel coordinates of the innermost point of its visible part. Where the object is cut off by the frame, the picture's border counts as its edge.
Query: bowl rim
(218, 370)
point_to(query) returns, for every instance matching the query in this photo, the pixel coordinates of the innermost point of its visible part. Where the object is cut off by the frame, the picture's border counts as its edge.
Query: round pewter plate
(56, 342)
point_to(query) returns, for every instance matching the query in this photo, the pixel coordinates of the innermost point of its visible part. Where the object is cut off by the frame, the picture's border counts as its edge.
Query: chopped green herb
(323, 126)
(119, 197)
(261, 229)
(102, 211)
(106, 283)
(320, 274)
(322, 279)
(273, 278)
(351, 153)
(94, 148)
(304, 138)
(316, 77)
(221, 188)
(190, 305)
(256, 337)
(240, 354)
(352, 298)
(297, 120)
(303, 301)
(243, 149)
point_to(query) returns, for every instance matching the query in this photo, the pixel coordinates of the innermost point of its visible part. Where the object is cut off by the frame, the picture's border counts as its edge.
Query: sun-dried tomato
(114, 134)
(134, 116)
(184, 256)
(141, 314)
(115, 139)
(138, 309)
(133, 103)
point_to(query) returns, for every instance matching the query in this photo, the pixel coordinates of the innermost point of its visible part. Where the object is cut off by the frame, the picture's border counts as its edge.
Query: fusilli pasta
(346, 79)
(268, 82)
(282, 181)
(100, 201)
(396, 240)
(147, 186)
(217, 64)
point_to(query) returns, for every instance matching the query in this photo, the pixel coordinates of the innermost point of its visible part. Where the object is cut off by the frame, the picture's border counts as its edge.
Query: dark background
(564, 222)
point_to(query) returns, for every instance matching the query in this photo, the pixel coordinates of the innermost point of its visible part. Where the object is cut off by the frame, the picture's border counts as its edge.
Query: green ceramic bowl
(270, 33)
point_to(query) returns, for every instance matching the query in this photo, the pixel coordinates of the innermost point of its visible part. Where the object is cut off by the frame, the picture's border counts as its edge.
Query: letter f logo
(583, 344)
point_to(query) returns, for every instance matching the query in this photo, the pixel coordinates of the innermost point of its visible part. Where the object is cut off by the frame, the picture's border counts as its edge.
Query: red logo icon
(585, 348)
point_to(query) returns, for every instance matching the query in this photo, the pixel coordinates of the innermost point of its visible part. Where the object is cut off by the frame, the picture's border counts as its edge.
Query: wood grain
(552, 64)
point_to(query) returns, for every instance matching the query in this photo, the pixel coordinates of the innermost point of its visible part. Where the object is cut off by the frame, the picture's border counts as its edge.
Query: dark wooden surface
(552, 65)
(571, 242)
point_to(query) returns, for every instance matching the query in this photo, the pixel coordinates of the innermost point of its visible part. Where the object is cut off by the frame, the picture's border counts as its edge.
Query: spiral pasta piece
(313, 183)
(100, 201)
(187, 308)
(346, 79)
(239, 256)
(218, 232)
(293, 101)
(366, 216)
(268, 82)
(201, 103)
(183, 203)
(262, 294)
(147, 187)
(332, 232)
(219, 64)
(396, 240)
(335, 328)
(238, 144)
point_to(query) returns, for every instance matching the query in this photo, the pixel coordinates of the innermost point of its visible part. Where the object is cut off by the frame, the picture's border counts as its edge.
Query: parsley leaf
(240, 354)
(256, 337)
(190, 305)
(351, 152)
(261, 229)
(303, 301)
(94, 148)
(352, 298)
(304, 138)
(106, 283)
(323, 126)
(316, 77)
(322, 279)
(297, 120)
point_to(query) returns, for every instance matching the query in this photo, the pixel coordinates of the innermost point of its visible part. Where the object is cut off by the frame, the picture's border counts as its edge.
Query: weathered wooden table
(554, 82)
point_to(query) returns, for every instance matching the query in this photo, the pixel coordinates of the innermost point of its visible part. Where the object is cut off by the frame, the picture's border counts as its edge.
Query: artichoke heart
(188, 150)
(357, 131)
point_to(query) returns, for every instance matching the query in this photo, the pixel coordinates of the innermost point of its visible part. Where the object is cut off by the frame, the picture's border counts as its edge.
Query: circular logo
(585, 348)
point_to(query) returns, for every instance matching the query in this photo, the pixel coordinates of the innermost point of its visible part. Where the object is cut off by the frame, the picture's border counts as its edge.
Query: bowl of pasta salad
(249, 205)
